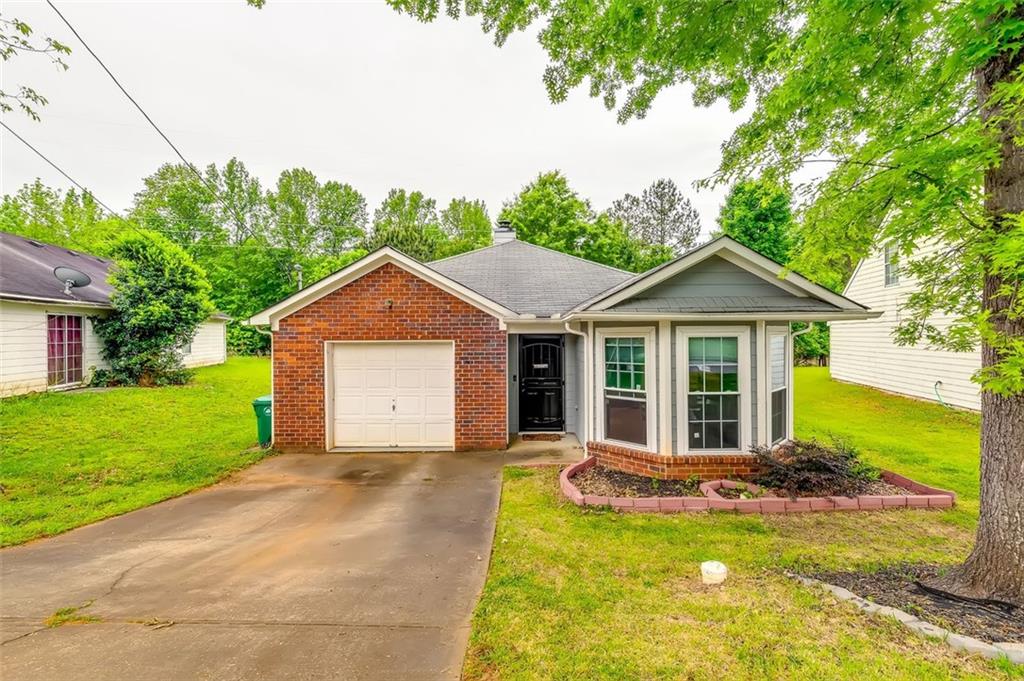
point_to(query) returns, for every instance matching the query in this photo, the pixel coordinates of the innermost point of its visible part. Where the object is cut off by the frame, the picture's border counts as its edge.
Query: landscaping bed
(600, 481)
(589, 484)
(895, 587)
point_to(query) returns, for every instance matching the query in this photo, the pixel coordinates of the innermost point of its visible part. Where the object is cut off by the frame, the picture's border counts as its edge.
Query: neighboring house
(675, 371)
(47, 341)
(864, 351)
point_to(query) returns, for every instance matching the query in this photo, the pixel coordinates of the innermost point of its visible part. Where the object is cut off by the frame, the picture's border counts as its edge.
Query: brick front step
(926, 497)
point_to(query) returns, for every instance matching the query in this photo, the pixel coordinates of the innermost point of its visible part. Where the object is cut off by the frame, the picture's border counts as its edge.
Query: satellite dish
(71, 278)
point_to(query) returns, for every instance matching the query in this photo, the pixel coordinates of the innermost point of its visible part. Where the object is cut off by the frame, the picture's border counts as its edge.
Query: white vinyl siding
(864, 352)
(23, 340)
(209, 345)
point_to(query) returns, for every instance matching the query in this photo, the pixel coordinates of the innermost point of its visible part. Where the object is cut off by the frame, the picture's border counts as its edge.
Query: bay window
(627, 415)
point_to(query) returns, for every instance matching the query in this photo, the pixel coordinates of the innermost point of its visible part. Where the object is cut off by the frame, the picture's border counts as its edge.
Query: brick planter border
(926, 497)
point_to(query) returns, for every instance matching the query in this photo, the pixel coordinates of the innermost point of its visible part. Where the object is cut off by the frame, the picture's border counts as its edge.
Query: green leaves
(758, 215)
(549, 213)
(160, 298)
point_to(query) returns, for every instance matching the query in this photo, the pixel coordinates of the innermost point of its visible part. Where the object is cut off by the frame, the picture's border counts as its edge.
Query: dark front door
(541, 383)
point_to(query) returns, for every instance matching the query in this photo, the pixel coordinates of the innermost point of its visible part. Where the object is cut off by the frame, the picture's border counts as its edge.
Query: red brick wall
(705, 466)
(420, 311)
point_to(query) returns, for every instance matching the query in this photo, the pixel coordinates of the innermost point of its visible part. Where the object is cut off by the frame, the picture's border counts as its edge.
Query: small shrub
(804, 467)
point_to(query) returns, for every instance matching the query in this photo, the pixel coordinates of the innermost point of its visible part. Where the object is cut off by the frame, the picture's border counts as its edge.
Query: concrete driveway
(303, 567)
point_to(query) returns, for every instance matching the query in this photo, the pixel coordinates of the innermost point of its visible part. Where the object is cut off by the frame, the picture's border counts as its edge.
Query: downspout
(586, 384)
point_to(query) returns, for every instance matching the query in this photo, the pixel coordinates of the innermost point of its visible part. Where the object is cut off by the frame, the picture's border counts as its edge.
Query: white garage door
(394, 395)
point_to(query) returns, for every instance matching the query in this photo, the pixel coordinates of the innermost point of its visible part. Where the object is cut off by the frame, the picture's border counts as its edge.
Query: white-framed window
(628, 405)
(713, 386)
(890, 257)
(779, 373)
(64, 349)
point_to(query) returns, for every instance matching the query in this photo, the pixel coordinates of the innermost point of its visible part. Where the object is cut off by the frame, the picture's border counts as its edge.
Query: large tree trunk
(995, 568)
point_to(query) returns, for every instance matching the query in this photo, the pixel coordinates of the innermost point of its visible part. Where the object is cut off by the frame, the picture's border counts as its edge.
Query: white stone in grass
(713, 572)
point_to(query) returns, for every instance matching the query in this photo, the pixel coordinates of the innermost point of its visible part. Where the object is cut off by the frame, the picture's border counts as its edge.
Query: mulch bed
(894, 586)
(605, 482)
(877, 487)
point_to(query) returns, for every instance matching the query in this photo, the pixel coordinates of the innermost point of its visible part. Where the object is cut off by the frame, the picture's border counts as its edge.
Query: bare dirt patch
(894, 586)
(605, 482)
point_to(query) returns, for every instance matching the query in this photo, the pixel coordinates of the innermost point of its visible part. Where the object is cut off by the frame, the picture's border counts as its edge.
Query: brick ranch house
(674, 371)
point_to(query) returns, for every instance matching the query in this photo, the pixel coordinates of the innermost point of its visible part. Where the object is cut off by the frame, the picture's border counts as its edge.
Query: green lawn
(76, 457)
(592, 594)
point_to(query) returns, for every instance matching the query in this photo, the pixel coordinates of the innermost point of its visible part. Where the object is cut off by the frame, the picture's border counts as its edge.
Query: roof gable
(736, 272)
(530, 279)
(365, 265)
(717, 285)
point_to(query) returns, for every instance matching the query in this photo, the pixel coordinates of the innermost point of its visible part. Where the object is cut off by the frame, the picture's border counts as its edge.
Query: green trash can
(263, 406)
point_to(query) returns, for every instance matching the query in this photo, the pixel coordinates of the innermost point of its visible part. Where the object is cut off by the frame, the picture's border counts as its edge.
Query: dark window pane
(696, 442)
(712, 407)
(625, 420)
(730, 407)
(610, 354)
(712, 435)
(626, 380)
(730, 435)
(695, 406)
(779, 419)
(610, 379)
(638, 353)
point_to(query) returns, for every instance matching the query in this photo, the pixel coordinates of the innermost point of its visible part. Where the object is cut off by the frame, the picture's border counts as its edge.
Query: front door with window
(541, 383)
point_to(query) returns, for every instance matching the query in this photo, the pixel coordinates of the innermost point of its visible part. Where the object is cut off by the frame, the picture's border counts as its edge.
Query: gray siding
(573, 385)
(717, 285)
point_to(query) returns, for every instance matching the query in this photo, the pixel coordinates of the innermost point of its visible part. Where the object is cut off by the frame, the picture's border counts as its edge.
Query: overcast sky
(353, 91)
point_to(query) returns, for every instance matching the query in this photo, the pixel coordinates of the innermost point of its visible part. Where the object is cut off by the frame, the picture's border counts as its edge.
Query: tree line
(252, 242)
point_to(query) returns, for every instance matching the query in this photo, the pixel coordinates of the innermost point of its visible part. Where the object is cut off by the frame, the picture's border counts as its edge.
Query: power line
(61, 171)
(132, 100)
(87, 191)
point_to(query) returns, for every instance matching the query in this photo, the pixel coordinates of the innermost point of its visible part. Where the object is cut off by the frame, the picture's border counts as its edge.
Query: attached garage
(392, 394)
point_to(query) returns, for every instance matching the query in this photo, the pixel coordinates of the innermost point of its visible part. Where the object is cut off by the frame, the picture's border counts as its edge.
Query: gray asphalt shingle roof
(26, 270)
(530, 279)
